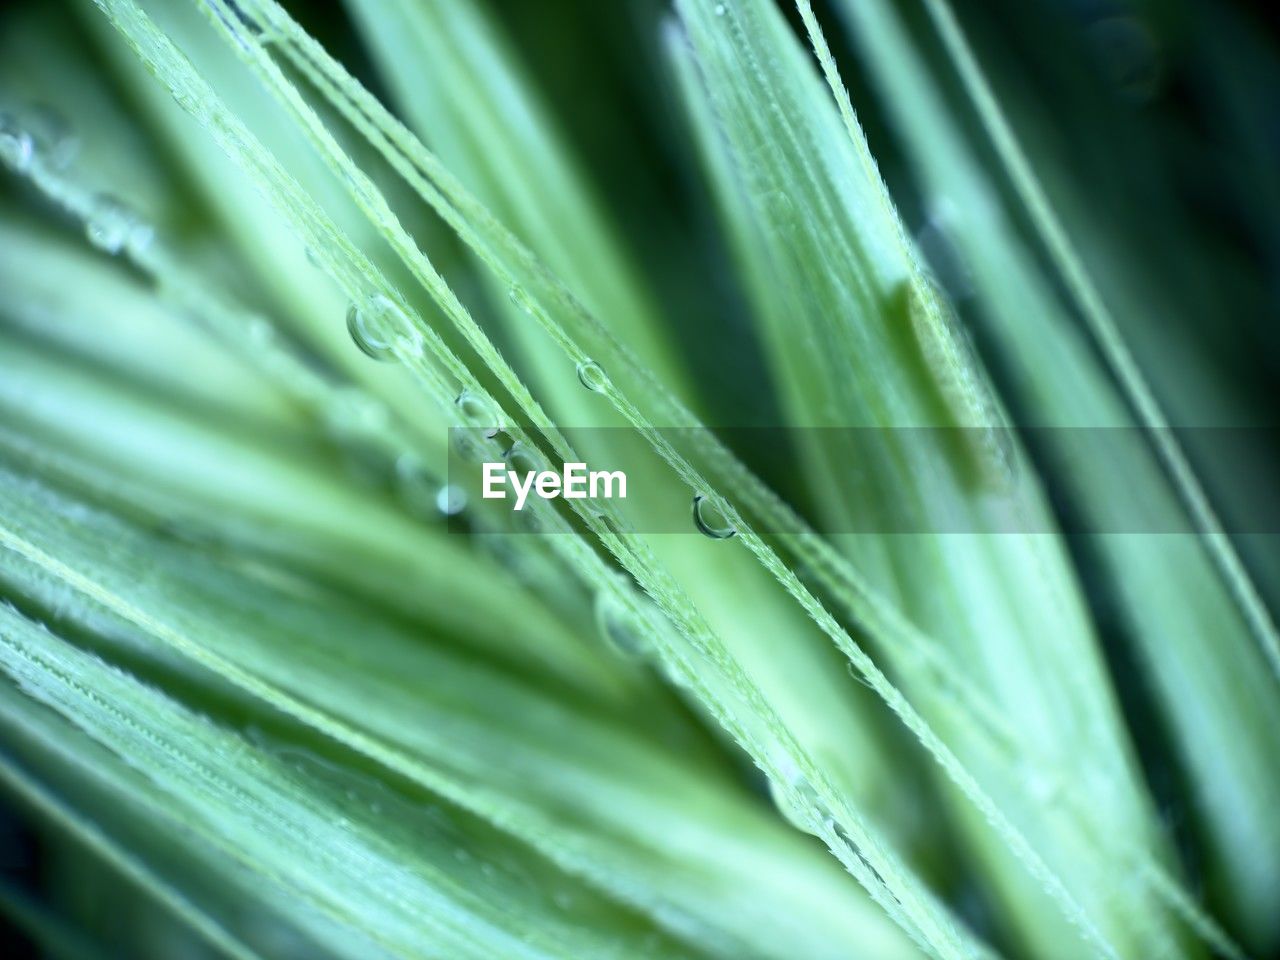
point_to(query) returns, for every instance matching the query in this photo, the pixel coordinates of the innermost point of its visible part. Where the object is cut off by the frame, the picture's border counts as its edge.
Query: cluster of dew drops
(37, 140)
(381, 330)
(371, 328)
(378, 326)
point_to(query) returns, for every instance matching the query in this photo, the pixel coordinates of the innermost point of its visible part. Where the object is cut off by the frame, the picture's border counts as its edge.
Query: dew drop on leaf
(372, 324)
(592, 376)
(111, 224)
(710, 519)
(478, 412)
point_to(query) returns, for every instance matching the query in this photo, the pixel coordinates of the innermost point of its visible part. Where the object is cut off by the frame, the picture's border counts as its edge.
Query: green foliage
(282, 702)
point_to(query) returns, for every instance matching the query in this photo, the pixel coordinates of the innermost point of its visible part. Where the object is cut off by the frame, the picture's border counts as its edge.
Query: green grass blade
(1218, 697)
(1103, 328)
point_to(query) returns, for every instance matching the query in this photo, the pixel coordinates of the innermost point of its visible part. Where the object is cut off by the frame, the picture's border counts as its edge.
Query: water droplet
(592, 376)
(720, 9)
(16, 148)
(52, 138)
(710, 519)
(478, 412)
(373, 325)
(618, 625)
(110, 224)
(450, 500)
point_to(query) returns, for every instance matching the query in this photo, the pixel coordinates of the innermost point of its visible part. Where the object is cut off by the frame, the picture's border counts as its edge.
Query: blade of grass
(849, 267)
(1218, 696)
(362, 877)
(472, 334)
(20, 784)
(665, 833)
(296, 204)
(1105, 333)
